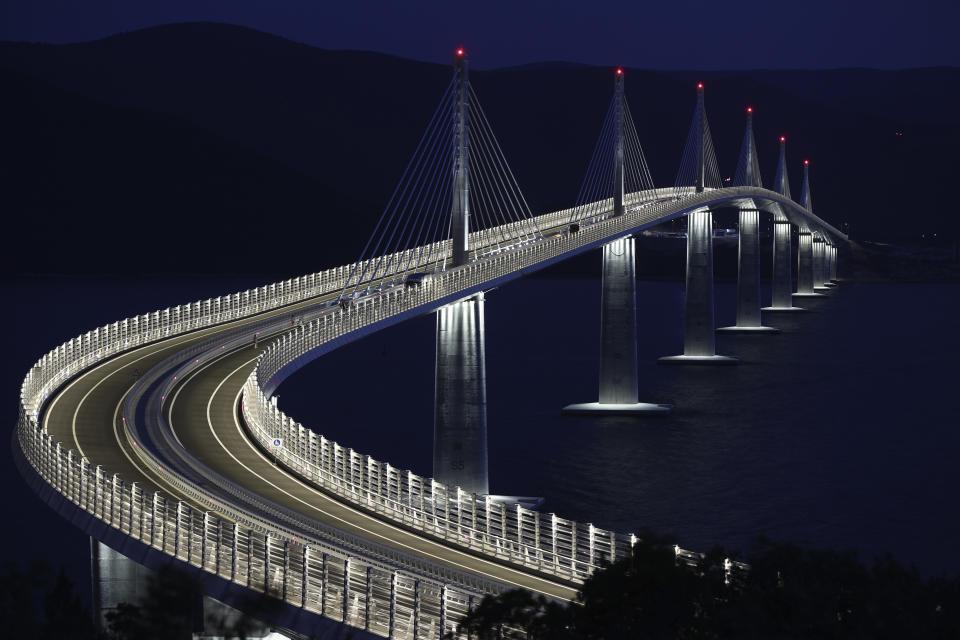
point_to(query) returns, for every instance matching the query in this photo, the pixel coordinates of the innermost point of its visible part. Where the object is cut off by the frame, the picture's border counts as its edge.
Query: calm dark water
(842, 431)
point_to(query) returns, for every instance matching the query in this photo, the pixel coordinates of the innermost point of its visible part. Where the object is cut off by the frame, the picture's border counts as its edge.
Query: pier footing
(635, 409)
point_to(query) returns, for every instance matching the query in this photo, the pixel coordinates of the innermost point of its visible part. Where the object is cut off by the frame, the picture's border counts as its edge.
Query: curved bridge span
(175, 465)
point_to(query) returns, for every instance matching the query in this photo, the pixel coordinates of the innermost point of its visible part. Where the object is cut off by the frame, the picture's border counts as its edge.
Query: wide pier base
(460, 402)
(748, 330)
(635, 409)
(711, 360)
(785, 309)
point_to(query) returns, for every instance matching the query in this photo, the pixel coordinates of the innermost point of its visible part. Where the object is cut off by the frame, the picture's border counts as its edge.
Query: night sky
(684, 34)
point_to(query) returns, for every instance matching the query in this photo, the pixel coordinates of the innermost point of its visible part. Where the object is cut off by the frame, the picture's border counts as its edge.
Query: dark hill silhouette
(342, 124)
(95, 188)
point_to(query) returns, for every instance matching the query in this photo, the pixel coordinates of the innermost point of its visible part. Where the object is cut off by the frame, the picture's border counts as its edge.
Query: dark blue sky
(666, 34)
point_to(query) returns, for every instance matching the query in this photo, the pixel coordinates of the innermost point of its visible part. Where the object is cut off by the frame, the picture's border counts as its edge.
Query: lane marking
(151, 350)
(348, 507)
(149, 475)
(173, 341)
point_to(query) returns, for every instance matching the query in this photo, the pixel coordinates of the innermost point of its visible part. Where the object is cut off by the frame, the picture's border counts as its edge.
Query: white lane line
(348, 507)
(160, 346)
(76, 412)
(152, 349)
(157, 480)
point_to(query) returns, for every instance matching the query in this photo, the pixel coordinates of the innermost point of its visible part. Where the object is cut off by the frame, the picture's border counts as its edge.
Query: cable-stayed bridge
(160, 435)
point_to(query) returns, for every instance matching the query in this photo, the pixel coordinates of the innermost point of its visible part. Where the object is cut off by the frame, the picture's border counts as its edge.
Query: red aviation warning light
(749, 109)
(619, 71)
(783, 138)
(699, 85)
(460, 52)
(806, 163)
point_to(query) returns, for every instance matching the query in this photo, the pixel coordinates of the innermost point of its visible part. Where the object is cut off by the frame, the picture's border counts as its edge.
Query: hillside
(236, 130)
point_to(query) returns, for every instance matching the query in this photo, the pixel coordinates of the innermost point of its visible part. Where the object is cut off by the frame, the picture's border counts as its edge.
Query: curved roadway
(202, 412)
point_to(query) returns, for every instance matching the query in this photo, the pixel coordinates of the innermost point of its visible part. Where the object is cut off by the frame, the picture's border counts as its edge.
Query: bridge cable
(595, 197)
(413, 232)
(400, 191)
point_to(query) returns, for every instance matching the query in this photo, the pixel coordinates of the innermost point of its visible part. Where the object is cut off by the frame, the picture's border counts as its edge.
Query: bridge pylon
(460, 380)
(810, 249)
(618, 182)
(699, 330)
(821, 270)
(619, 380)
(460, 207)
(748, 253)
(781, 298)
(456, 203)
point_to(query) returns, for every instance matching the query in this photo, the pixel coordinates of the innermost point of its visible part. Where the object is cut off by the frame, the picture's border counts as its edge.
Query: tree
(172, 609)
(788, 592)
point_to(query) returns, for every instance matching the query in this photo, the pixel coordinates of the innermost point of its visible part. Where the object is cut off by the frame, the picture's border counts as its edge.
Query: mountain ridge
(346, 122)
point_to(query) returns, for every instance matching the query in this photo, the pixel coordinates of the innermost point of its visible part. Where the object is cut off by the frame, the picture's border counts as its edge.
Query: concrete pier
(782, 280)
(833, 263)
(748, 277)
(618, 338)
(115, 579)
(618, 324)
(805, 266)
(828, 258)
(460, 401)
(699, 343)
(819, 265)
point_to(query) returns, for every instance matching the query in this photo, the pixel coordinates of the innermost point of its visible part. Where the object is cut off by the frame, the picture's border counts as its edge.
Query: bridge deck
(85, 414)
(202, 413)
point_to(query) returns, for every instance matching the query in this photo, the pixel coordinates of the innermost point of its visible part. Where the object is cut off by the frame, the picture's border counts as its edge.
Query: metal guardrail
(361, 593)
(156, 446)
(365, 593)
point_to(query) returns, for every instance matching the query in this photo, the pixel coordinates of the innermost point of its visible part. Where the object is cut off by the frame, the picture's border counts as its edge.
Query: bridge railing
(370, 596)
(317, 577)
(241, 553)
(412, 606)
(251, 555)
(79, 353)
(544, 542)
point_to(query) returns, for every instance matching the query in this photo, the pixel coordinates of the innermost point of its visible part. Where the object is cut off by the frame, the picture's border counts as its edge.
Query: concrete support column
(816, 251)
(618, 324)
(833, 263)
(748, 276)
(115, 578)
(819, 264)
(699, 344)
(460, 401)
(618, 337)
(782, 281)
(805, 265)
